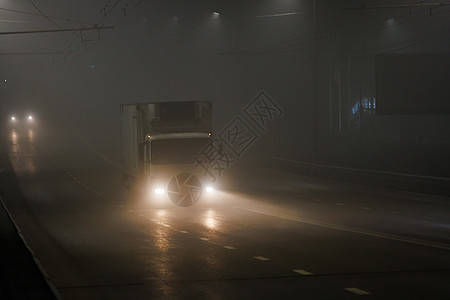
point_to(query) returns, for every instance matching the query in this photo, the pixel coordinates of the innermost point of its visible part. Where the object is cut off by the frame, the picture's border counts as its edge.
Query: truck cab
(159, 143)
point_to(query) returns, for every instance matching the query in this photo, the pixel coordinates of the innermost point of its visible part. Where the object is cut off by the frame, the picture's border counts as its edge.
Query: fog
(315, 61)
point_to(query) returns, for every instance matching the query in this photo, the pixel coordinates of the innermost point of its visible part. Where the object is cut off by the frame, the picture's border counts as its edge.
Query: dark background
(412, 84)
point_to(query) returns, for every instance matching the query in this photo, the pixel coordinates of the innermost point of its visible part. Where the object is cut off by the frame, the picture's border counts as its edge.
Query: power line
(129, 12)
(426, 5)
(39, 15)
(287, 14)
(55, 30)
(42, 13)
(303, 42)
(33, 53)
(134, 7)
(106, 13)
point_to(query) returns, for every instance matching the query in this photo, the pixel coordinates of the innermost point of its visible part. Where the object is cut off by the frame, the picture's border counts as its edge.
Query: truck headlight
(159, 191)
(209, 189)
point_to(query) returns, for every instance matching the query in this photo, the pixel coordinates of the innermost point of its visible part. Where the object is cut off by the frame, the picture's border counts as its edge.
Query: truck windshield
(176, 151)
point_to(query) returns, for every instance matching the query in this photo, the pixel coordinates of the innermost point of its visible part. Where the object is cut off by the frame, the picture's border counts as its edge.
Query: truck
(159, 141)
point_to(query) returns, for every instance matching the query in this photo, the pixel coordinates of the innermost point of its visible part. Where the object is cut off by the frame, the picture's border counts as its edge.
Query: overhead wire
(106, 13)
(44, 15)
(32, 53)
(297, 44)
(51, 17)
(303, 42)
(129, 12)
(85, 42)
(115, 26)
(308, 40)
(401, 45)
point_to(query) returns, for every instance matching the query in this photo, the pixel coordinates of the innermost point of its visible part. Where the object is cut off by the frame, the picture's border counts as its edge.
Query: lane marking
(261, 258)
(394, 212)
(317, 200)
(159, 222)
(357, 291)
(230, 247)
(204, 239)
(75, 179)
(302, 272)
(340, 204)
(366, 208)
(351, 229)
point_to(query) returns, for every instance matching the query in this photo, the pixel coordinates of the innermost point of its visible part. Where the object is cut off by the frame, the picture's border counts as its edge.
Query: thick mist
(315, 59)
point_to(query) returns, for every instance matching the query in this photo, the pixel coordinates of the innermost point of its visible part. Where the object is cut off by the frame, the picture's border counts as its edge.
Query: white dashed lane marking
(366, 208)
(201, 238)
(340, 204)
(230, 247)
(302, 272)
(261, 258)
(351, 229)
(357, 291)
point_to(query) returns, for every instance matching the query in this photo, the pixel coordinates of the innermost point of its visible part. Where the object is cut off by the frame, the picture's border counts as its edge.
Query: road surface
(264, 234)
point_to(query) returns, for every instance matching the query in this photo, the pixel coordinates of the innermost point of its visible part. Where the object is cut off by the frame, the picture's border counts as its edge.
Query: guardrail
(408, 182)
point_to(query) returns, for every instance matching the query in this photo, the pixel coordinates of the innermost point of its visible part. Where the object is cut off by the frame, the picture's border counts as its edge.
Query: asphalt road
(264, 234)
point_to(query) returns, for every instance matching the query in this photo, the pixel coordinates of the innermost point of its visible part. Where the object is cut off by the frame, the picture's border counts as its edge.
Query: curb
(33, 255)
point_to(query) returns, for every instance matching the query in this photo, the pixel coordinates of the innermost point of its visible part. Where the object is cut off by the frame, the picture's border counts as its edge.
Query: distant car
(22, 120)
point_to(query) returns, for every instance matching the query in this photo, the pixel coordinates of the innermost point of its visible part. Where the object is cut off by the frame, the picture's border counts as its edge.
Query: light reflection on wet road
(280, 236)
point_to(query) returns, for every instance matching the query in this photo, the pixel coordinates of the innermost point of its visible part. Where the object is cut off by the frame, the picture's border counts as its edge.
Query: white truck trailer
(159, 142)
